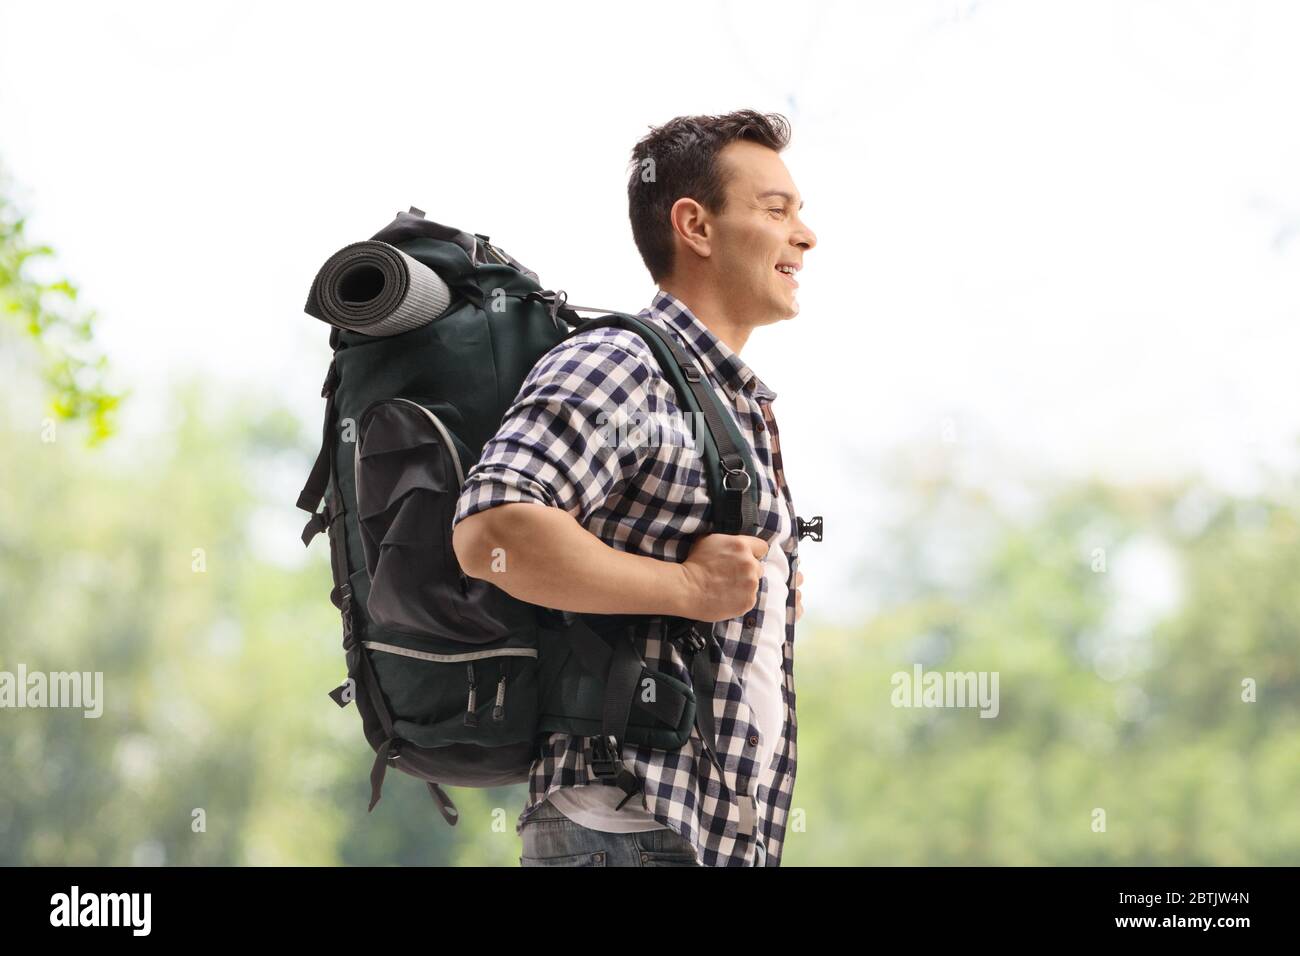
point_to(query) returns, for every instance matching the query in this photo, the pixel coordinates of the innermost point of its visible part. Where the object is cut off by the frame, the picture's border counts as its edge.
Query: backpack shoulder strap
(733, 485)
(733, 492)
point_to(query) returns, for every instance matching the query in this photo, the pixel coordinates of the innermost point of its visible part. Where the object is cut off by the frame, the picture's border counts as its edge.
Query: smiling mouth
(789, 278)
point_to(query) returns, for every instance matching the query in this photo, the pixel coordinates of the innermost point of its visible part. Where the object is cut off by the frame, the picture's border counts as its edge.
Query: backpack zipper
(499, 708)
(471, 718)
(492, 251)
(450, 658)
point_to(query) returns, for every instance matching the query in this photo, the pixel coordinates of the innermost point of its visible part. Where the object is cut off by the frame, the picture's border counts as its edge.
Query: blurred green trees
(1106, 703)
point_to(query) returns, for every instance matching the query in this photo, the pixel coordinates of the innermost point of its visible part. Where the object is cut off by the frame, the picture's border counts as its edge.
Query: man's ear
(690, 222)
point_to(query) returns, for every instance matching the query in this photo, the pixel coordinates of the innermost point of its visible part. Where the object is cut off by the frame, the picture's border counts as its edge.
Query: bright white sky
(1069, 231)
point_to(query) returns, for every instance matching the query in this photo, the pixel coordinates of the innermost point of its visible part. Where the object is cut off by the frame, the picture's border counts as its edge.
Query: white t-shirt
(593, 806)
(766, 674)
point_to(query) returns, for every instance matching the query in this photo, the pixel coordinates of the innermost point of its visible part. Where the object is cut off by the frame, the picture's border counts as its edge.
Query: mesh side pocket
(408, 476)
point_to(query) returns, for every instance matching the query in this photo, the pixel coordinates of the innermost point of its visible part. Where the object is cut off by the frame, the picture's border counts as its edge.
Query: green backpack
(457, 682)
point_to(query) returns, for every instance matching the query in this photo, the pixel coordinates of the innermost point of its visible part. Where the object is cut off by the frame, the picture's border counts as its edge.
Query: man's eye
(777, 209)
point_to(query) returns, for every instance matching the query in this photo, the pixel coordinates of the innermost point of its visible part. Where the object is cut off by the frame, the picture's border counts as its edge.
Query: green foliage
(75, 371)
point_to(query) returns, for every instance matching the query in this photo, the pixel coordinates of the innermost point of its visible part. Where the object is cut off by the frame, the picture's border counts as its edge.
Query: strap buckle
(730, 473)
(606, 760)
(689, 639)
(810, 528)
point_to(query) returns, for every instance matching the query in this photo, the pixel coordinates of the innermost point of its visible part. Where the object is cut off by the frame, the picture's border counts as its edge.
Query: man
(716, 218)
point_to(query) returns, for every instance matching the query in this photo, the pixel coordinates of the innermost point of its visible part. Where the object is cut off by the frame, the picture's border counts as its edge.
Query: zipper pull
(499, 708)
(471, 718)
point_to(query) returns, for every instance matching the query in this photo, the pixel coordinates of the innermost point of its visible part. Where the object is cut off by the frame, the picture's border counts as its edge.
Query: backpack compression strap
(313, 492)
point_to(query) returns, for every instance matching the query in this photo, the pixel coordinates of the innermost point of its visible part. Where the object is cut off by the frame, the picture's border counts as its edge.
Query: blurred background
(1041, 387)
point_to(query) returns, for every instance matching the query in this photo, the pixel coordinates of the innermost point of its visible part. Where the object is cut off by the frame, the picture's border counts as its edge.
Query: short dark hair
(680, 158)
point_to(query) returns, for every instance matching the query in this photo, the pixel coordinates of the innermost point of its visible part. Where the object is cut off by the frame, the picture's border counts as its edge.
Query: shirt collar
(720, 363)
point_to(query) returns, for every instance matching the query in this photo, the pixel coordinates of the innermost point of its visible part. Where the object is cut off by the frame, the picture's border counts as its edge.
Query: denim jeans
(552, 839)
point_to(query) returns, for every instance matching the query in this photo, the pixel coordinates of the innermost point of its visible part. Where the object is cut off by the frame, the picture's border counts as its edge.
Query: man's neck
(707, 305)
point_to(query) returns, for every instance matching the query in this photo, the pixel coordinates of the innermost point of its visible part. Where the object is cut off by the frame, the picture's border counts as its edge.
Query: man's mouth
(787, 271)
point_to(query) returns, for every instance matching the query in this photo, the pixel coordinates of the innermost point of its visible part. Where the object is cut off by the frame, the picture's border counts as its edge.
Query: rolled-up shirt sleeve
(558, 443)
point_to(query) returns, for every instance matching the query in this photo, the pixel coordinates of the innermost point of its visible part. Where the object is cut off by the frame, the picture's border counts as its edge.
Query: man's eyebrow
(779, 192)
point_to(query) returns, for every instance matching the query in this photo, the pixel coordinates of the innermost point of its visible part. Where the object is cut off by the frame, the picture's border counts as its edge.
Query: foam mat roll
(375, 288)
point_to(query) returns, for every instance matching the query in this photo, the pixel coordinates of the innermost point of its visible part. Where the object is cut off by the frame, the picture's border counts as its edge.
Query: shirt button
(750, 620)
(753, 740)
(761, 427)
(750, 385)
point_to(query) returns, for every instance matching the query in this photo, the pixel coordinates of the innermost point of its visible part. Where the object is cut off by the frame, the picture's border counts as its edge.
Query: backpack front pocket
(441, 696)
(409, 472)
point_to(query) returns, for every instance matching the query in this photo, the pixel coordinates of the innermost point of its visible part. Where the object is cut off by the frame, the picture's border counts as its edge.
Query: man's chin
(779, 309)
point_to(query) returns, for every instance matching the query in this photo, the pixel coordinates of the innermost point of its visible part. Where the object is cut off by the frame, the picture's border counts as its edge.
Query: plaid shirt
(556, 446)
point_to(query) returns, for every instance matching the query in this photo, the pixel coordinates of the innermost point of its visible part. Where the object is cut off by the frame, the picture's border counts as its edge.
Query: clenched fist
(722, 573)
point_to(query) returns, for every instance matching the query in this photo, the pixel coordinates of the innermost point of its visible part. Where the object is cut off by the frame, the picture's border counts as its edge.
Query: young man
(622, 530)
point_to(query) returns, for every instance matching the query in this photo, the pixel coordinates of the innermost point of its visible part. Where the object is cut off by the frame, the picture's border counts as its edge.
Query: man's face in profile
(759, 234)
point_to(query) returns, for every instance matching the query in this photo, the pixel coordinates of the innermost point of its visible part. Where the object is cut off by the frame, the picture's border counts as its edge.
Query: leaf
(75, 371)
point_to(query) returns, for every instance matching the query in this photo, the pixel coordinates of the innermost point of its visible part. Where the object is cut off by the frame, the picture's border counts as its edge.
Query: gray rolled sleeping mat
(374, 288)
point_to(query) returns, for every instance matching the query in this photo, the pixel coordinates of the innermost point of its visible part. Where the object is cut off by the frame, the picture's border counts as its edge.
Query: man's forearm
(541, 555)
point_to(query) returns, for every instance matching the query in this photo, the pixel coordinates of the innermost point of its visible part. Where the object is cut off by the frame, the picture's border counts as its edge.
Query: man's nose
(805, 239)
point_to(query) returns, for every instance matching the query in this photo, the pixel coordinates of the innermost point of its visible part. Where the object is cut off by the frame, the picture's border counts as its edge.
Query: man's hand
(721, 576)
(798, 597)
(547, 558)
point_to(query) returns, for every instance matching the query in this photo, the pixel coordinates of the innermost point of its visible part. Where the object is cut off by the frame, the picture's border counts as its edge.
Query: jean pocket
(665, 848)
